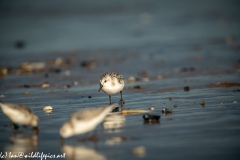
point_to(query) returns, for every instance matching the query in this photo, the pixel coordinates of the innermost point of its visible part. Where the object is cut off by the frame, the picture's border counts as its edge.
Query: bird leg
(121, 102)
(110, 99)
(35, 130)
(14, 126)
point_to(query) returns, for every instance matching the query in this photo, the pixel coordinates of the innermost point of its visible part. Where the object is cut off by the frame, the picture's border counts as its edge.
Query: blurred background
(163, 35)
(60, 26)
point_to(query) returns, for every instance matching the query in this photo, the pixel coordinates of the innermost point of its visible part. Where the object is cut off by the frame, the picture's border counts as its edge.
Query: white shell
(48, 109)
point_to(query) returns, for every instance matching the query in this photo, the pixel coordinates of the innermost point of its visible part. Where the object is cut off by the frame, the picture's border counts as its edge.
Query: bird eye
(105, 81)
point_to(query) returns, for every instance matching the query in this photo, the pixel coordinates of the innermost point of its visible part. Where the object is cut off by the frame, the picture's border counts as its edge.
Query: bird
(20, 114)
(112, 83)
(84, 120)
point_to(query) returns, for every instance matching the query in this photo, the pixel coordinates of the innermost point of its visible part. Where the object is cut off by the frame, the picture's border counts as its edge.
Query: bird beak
(100, 87)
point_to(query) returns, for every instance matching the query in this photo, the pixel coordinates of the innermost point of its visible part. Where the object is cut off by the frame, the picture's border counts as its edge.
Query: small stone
(55, 70)
(145, 79)
(166, 110)
(131, 79)
(137, 87)
(67, 73)
(88, 64)
(89, 96)
(151, 109)
(170, 98)
(175, 105)
(234, 102)
(139, 151)
(45, 85)
(26, 86)
(237, 90)
(202, 103)
(26, 93)
(3, 71)
(27, 67)
(20, 44)
(151, 118)
(75, 83)
(59, 61)
(66, 86)
(159, 77)
(85, 83)
(2, 96)
(186, 88)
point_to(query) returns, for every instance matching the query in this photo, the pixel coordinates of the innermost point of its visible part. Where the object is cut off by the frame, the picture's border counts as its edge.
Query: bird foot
(35, 130)
(121, 102)
(14, 126)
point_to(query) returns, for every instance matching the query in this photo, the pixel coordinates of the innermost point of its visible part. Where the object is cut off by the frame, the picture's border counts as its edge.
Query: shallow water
(174, 46)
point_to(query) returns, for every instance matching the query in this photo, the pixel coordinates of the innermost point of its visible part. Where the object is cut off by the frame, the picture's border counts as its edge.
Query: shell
(48, 109)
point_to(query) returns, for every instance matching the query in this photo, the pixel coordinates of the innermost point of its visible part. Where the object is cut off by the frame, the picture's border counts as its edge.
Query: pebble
(237, 90)
(2, 96)
(139, 151)
(151, 118)
(234, 102)
(45, 85)
(202, 103)
(166, 110)
(137, 87)
(88, 64)
(55, 70)
(75, 83)
(151, 109)
(67, 73)
(3, 71)
(85, 83)
(175, 105)
(48, 109)
(186, 88)
(159, 77)
(66, 86)
(146, 79)
(170, 98)
(59, 61)
(32, 66)
(26, 93)
(131, 79)
(20, 44)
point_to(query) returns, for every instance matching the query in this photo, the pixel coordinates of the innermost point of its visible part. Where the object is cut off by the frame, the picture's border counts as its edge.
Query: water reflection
(81, 152)
(152, 122)
(22, 143)
(113, 121)
(166, 114)
(115, 140)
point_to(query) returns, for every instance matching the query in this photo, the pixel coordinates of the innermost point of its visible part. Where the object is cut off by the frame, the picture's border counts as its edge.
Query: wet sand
(202, 65)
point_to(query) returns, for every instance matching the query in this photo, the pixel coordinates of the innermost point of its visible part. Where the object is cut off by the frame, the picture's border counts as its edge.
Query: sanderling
(20, 114)
(84, 120)
(112, 83)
